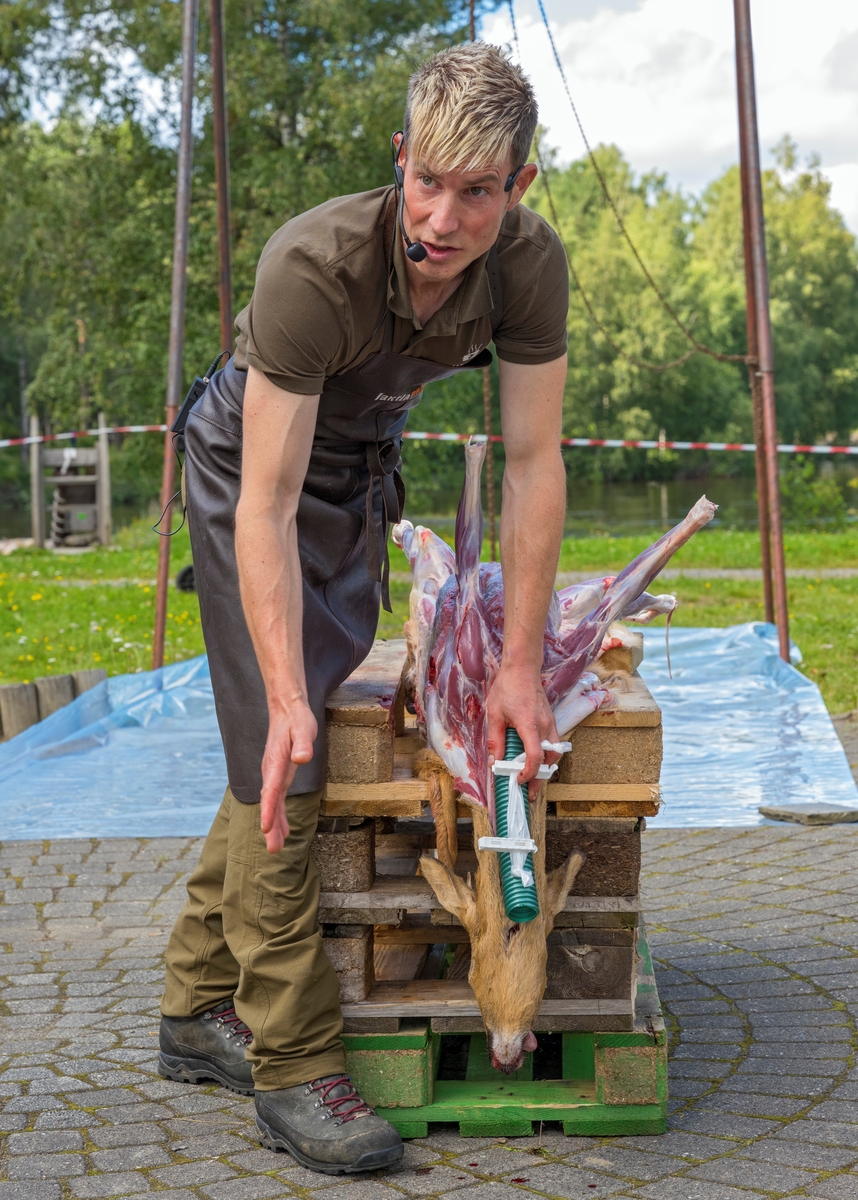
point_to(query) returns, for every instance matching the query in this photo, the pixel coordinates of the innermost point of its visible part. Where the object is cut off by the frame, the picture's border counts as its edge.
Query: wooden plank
(53, 692)
(19, 708)
(368, 696)
(588, 793)
(440, 997)
(424, 935)
(609, 808)
(414, 894)
(399, 962)
(84, 680)
(401, 798)
(633, 706)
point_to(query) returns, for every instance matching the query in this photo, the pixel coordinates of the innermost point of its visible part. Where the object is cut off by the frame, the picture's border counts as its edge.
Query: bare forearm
(534, 506)
(269, 573)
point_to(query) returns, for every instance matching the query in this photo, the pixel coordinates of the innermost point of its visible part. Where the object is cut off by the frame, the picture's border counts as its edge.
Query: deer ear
(452, 892)
(557, 885)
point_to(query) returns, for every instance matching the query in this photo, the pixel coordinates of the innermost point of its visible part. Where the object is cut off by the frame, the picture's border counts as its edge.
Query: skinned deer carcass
(456, 639)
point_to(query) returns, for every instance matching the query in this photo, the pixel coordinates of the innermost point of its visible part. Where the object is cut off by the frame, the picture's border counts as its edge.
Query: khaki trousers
(249, 928)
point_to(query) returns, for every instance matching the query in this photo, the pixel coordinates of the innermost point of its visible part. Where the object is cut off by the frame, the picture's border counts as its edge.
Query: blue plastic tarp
(136, 756)
(141, 756)
(741, 728)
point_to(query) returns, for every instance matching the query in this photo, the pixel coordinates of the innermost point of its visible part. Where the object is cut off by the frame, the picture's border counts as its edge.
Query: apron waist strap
(382, 460)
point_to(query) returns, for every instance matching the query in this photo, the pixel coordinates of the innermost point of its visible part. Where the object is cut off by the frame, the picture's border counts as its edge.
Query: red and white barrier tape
(415, 436)
(64, 437)
(640, 444)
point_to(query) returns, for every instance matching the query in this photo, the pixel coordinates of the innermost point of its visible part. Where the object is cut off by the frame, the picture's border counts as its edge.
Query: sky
(658, 79)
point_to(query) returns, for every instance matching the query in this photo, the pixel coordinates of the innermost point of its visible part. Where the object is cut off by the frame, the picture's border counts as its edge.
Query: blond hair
(469, 107)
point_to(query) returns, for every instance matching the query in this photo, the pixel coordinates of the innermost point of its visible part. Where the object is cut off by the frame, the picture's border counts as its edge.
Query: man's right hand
(291, 734)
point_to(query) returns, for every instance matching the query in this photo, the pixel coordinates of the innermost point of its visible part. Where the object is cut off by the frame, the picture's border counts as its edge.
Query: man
(292, 481)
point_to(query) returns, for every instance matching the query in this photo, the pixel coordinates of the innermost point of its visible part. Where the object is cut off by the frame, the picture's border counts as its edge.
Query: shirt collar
(471, 299)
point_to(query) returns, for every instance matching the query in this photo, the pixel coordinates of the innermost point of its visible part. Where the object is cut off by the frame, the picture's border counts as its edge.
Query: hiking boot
(326, 1126)
(209, 1046)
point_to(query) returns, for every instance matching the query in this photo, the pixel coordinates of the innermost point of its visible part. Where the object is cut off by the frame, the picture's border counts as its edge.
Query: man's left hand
(517, 699)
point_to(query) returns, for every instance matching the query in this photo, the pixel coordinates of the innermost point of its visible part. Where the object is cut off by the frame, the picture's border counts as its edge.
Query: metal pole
(757, 238)
(37, 487)
(756, 392)
(221, 149)
(177, 316)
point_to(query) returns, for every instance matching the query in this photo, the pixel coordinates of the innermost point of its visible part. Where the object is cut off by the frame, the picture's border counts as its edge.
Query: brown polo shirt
(323, 287)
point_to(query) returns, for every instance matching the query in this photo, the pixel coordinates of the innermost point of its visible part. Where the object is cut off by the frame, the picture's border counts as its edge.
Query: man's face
(457, 214)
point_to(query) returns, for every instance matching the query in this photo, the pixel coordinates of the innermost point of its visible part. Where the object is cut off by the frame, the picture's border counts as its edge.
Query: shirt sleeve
(533, 328)
(294, 326)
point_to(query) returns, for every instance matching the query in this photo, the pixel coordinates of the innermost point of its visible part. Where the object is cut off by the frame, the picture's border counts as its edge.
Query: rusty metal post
(177, 316)
(757, 239)
(756, 391)
(221, 157)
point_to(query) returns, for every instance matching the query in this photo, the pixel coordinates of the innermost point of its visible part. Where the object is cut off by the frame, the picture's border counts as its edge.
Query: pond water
(638, 507)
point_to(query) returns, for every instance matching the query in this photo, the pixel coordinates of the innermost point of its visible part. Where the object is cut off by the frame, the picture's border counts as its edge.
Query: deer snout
(507, 1051)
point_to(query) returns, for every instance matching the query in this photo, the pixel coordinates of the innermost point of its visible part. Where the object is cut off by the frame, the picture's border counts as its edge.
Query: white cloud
(657, 77)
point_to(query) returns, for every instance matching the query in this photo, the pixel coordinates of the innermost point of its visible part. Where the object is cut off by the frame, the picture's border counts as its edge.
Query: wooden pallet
(406, 997)
(612, 1083)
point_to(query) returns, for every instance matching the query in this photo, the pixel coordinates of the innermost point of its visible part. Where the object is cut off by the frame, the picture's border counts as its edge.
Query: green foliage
(315, 89)
(694, 250)
(808, 500)
(86, 227)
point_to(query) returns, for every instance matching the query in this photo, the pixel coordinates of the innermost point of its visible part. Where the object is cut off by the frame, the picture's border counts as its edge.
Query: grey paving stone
(261, 1188)
(722, 1125)
(45, 1166)
(68, 1118)
(130, 1158)
(799, 1154)
(194, 1173)
(108, 1187)
(751, 1104)
(31, 1190)
(555, 1179)
(627, 1162)
(429, 1180)
(837, 1187)
(764, 1177)
(110, 1136)
(44, 1143)
(129, 1114)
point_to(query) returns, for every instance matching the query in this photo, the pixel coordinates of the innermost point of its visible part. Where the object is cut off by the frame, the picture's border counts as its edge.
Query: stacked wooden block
(385, 931)
(23, 704)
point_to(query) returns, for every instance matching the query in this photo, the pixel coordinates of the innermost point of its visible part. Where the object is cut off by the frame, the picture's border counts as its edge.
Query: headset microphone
(416, 251)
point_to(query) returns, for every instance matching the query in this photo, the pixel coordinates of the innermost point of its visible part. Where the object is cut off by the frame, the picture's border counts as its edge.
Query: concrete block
(350, 949)
(630, 1074)
(344, 858)
(19, 708)
(360, 753)
(602, 754)
(53, 692)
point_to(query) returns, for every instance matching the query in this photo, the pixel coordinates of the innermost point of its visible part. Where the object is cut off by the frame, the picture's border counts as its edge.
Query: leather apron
(352, 492)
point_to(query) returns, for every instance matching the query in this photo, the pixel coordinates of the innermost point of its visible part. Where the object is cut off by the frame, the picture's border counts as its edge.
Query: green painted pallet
(612, 1084)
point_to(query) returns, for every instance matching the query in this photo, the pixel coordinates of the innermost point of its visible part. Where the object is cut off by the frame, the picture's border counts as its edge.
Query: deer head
(508, 961)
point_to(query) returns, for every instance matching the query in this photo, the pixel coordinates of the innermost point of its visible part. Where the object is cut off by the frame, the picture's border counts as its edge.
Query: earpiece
(416, 251)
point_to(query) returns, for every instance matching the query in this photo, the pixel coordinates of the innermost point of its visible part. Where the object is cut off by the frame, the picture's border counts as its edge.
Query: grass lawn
(59, 613)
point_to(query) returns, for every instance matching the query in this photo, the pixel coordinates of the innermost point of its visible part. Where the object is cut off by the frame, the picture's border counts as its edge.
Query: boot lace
(232, 1022)
(359, 1108)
